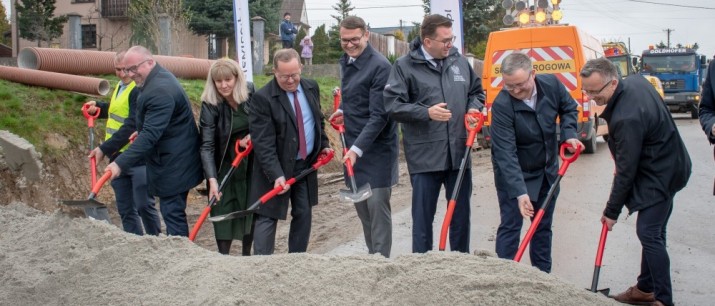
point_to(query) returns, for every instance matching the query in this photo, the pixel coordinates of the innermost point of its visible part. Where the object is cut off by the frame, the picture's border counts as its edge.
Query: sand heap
(52, 259)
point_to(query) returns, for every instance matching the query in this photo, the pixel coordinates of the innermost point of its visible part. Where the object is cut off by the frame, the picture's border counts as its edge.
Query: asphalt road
(584, 191)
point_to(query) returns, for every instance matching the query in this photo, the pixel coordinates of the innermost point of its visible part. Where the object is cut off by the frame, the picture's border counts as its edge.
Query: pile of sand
(50, 259)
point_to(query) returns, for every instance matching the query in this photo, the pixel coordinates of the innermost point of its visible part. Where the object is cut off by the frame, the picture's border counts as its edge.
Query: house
(103, 25)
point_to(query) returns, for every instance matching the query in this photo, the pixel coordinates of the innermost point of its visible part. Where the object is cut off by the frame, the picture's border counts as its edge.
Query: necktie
(439, 64)
(302, 147)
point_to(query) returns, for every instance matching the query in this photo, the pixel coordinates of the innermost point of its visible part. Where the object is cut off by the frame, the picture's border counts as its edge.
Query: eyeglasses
(446, 42)
(133, 69)
(283, 78)
(511, 87)
(593, 93)
(354, 40)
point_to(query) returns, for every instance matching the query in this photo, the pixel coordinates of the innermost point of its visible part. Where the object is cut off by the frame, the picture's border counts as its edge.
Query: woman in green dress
(223, 122)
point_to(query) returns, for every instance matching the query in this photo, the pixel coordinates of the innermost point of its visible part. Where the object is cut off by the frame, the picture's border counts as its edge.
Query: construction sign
(558, 61)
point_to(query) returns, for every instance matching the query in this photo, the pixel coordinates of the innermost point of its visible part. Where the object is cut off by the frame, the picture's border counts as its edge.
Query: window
(82, 1)
(89, 36)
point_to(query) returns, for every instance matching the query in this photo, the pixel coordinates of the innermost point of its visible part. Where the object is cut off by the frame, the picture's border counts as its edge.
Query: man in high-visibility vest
(134, 204)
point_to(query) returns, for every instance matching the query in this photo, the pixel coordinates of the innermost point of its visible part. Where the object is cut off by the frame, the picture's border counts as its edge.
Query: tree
(344, 7)
(269, 10)
(324, 52)
(210, 17)
(399, 35)
(144, 20)
(36, 21)
(415, 32)
(4, 25)
(661, 45)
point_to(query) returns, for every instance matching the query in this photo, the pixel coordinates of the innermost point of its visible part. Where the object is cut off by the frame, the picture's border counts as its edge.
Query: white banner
(243, 37)
(452, 9)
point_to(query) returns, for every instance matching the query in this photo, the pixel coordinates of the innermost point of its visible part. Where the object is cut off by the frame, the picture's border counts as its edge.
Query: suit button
(294, 140)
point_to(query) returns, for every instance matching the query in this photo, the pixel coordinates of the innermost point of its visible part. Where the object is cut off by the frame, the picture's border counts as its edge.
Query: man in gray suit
(369, 133)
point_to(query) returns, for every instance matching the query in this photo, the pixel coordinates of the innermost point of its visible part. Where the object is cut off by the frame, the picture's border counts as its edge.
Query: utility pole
(668, 33)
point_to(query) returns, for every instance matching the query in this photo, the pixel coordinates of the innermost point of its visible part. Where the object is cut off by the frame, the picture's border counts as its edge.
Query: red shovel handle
(601, 244)
(473, 128)
(340, 127)
(90, 118)
(98, 186)
(323, 159)
(567, 160)
(241, 154)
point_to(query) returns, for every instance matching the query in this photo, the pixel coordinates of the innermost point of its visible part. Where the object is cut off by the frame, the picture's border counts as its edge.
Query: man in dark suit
(287, 130)
(167, 138)
(525, 152)
(369, 132)
(707, 106)
(652, 164)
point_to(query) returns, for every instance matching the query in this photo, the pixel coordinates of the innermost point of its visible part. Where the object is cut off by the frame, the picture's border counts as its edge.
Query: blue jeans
(133, 202)
(425, 191)
(173, 209)
(509, 231)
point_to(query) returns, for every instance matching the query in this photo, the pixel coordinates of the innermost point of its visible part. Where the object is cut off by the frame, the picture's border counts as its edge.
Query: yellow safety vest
(118, 111)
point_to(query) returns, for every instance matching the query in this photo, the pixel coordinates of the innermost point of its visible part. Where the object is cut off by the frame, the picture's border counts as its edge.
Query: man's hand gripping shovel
(354, 194)
(540, 214)
(473, 129)
(240, 155)
(323, 159)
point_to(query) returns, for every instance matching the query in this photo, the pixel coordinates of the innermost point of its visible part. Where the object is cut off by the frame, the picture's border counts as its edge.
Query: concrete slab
(21, 155)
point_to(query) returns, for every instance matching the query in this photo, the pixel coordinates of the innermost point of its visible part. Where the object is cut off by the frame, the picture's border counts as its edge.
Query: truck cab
(680, 70)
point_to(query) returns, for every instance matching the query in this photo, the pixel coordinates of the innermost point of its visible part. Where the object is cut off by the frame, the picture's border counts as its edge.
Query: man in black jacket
(167, 139)
(134, 204)
(707, 106)
(525, 152)
(652, 164)
(369, 132)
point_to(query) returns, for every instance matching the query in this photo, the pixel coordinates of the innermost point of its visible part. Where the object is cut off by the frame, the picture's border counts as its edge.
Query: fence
(388, 45)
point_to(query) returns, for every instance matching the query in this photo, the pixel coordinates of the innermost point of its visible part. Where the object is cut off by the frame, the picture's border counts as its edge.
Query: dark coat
(707, 103)
(120, 138)
(367, 124)
(215, 130)
(652, 163)
(274, 134)
(525, 150)
(168, 137)
(415, 85)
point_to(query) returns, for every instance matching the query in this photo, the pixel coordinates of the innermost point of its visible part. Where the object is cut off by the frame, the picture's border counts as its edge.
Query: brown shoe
(634, 296)
(657, 303)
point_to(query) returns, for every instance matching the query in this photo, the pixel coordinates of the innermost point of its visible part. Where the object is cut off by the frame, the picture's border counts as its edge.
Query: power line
(670, 4)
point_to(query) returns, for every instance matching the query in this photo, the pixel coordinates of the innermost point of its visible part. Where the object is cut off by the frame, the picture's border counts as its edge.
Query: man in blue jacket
(369, 133)
(652, 164)
(288, 31)
(167, 139)
(429, 91)
(525, 152)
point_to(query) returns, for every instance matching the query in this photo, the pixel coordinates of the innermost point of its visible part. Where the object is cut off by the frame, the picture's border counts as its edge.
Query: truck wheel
(590, 144)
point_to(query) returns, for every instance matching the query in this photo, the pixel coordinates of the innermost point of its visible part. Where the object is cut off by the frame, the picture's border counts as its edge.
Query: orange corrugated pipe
(84, 62)
(81, 84)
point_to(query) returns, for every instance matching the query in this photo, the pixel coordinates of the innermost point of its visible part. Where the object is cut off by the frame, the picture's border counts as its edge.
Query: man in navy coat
(707, 106)
(167, 139)
(288, 133)
(525, 152)
(369, 132)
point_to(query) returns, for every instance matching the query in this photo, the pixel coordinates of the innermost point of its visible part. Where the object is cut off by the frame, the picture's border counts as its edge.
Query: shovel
(96, 212)
(549, 195)
(91, 201)
(354, 194)
(599, 258)
(473, 129)
(234, 165)
(323, 159)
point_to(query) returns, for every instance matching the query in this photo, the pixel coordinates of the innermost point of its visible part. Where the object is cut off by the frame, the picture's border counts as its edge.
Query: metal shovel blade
(89, 203)
(233, 215)
(605, 291)
(362, 194)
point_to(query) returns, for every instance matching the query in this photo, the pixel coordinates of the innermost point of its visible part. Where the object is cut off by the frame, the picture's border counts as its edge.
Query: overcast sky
(643, 22)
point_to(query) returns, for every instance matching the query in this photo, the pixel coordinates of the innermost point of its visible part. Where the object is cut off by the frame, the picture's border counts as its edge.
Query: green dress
(235, 194)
